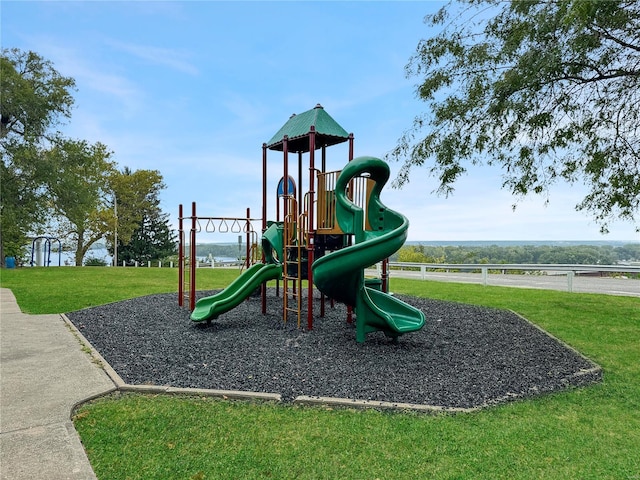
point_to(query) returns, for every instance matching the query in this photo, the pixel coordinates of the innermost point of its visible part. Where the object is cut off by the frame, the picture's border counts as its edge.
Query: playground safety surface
(466, 356)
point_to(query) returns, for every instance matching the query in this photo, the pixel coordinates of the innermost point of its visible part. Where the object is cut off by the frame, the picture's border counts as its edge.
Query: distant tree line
(218, 250)
(532, 254)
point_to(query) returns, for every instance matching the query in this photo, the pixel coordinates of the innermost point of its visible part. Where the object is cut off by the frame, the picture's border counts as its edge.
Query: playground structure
(326, 234)
(41, 251)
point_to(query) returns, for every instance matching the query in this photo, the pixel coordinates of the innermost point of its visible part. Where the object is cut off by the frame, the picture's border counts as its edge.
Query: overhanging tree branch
(547, 92)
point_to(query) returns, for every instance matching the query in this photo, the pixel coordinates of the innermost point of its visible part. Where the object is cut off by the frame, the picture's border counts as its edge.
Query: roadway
(579, 284)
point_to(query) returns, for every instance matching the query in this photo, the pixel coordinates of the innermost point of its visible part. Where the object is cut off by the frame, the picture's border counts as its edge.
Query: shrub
(95, 262)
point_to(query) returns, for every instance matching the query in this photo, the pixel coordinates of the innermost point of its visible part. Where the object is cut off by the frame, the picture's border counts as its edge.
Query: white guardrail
(570, 269)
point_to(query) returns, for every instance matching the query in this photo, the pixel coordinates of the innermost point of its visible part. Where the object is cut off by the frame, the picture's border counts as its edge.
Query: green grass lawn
(588, 433)
(65, 289)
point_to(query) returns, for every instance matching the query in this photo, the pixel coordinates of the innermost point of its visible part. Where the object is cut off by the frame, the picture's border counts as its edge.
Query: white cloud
(175, 59)
(91, 76)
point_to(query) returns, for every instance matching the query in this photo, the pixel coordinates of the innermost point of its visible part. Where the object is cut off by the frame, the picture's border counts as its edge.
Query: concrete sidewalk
(44, 373)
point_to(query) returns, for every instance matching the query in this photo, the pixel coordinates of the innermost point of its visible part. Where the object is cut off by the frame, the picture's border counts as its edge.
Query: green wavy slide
(209, 308)
(340, 274)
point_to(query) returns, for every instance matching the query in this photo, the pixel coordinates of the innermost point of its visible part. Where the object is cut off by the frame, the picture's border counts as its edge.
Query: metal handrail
(570, 269)
(563, 267)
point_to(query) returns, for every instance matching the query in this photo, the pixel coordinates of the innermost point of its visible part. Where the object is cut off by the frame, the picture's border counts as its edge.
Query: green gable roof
(297, 128)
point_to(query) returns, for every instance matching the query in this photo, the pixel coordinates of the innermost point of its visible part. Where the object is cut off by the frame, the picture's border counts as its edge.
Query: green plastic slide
(340, 274)
(273, 242)
(209, 308)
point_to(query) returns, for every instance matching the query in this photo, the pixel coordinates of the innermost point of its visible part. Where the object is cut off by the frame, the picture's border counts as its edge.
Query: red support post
(351, 137)
(180, 258)
(263, 290)
(300, 195)
(264, 187)
(192, 267)
(247, 259)
(285, 174)
(285, 213)
(385, 275)
(311, 220)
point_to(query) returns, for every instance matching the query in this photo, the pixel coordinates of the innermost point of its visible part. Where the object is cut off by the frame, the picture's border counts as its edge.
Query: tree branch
(604, 33)
(600, 77)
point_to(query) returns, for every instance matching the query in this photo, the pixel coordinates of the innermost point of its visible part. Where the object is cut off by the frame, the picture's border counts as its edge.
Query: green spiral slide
(209, 308)
(340, 274)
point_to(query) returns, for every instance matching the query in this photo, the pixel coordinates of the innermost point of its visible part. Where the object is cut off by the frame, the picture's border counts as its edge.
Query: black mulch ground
(466, 356)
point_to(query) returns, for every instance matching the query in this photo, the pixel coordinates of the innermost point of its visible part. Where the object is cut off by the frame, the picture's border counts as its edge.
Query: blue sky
(194, 88)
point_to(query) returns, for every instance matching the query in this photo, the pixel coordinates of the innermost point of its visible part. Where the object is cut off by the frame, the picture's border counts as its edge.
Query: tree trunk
(80, 248)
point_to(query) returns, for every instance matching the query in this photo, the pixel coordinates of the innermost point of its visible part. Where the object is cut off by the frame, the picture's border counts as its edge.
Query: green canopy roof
(297, 128)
